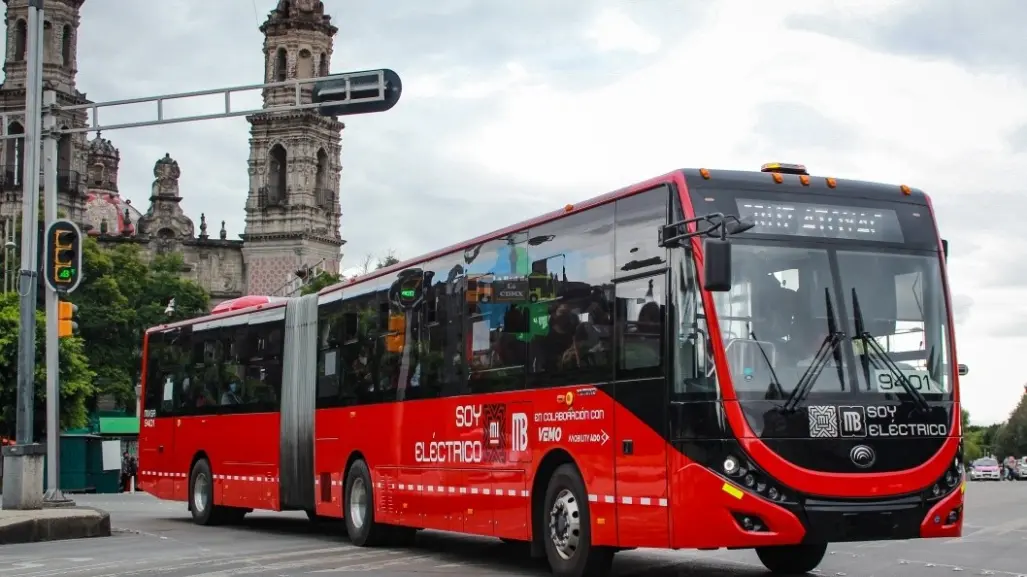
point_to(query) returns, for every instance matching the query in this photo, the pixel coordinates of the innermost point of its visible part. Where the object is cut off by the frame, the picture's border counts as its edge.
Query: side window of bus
(695, 368)
(330, 334)
(385, 354)
(233, 394)
(200, 386)
(171, 356)
(639, 219)
(497, 297)
(262, 369)
(444, 367)
(360, 327)
(157, 383)
(641, 303)
(569, 316)
(641, 316)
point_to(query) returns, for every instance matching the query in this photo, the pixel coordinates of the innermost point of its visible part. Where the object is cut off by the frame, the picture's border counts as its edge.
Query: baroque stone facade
(293, 211)
(292, 208)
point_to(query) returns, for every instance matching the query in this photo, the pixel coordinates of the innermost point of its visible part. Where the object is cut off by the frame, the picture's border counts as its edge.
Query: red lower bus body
(646, 462)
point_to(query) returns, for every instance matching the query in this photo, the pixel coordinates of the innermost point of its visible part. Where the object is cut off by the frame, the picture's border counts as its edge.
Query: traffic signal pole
(23, 461)
(53, 496)
(333, 95)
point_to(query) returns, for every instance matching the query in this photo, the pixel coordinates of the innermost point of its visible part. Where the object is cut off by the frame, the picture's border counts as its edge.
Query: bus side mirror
(945, 249)
(717, 265)
(963, 370)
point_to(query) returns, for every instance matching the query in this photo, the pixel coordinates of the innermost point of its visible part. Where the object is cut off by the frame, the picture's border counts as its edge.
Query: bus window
(571, 314)
(497, 282)
(445, 371)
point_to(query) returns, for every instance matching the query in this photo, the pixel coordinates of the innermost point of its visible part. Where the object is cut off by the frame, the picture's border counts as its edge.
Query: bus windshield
(789, 298)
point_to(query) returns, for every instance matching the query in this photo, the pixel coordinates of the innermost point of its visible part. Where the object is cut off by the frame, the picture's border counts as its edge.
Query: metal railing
(68, 180)
(12, 179)
(268, 196)
(324, 198)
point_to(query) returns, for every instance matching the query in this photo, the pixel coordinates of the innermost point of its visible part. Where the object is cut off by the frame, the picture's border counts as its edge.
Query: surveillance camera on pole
(357, 92)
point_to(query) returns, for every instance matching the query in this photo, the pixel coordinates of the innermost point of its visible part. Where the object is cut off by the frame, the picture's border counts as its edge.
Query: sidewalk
(53, 524)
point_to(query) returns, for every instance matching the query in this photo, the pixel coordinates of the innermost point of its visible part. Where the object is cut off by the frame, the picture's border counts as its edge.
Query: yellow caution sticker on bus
(732, 490)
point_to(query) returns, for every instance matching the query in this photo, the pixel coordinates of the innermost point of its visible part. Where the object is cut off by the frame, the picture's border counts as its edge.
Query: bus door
(640, 421)
(157, 434)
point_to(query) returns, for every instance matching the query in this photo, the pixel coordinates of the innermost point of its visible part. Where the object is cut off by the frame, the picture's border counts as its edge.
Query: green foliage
(326, 279)
(388, 259)
(122, 295)
(323, 280)
(76, 376)
(1011, 437)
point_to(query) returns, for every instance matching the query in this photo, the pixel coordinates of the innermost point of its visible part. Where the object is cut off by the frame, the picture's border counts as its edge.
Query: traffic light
(358, 92)
(66, 325)
(63, 267)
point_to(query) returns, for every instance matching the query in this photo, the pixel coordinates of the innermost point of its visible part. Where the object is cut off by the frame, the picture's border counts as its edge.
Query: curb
(34, 530)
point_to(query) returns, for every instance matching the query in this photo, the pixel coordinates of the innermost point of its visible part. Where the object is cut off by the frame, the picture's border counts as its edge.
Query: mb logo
(519, 432)
(853, 421)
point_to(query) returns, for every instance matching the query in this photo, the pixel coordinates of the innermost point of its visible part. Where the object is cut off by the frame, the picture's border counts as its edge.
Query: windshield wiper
(774, 381)
(828, 346)
(870, 345)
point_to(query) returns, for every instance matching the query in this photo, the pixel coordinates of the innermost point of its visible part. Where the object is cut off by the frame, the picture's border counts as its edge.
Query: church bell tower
(292, 210)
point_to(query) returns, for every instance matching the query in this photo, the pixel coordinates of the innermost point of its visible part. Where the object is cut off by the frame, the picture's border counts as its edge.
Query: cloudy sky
(512, 108)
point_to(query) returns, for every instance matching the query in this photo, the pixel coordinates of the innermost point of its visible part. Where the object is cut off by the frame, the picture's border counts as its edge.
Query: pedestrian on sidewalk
(128, 471)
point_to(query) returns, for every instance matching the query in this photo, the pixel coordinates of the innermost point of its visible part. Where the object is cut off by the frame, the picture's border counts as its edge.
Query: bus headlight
(748, 476)
(947, 483)
(731, 466)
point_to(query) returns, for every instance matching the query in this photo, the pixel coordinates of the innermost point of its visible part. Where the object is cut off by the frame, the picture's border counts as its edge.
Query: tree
(121, 295)
(76, 376)
(1011, 437)
(323, 280)
(972, 446)
(327, 279)
(388, 259)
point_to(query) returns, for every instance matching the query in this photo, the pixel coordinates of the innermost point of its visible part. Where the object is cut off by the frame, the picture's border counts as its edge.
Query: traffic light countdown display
(63, 269)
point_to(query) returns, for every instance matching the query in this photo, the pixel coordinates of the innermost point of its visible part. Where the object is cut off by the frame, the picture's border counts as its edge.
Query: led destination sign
(821, 221)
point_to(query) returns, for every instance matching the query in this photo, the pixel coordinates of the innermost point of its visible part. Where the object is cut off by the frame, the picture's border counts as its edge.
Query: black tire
(201, 494)
(792, 559)
(566, 513)
(364, 532)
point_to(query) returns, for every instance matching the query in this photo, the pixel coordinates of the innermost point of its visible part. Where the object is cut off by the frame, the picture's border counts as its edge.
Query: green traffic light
(65, 273)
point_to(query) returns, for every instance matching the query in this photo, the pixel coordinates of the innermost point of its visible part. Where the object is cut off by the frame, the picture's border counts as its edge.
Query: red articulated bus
(709, 359)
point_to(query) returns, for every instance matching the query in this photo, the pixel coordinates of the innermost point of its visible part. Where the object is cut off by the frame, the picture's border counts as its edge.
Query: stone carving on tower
(60, 53)
(292, 210)
(106, 212)
(165, 221)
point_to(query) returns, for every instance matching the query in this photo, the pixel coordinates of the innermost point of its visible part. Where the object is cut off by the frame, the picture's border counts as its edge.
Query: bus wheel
(358, 508)
(201, 494)
(792, 559)
(567, 528)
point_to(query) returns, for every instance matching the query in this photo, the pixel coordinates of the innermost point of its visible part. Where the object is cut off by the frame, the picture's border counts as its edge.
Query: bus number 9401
(885, 382)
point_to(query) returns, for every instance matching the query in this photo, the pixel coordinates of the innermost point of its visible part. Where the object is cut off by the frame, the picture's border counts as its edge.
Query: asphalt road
(155, 538)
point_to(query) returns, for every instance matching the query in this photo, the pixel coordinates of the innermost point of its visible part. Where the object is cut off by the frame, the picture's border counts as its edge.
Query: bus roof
(229, 309)
(841, 188)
